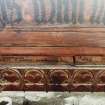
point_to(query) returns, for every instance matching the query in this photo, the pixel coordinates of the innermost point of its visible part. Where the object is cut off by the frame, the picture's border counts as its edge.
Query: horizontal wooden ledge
(53, 67)
(71, 37)
(52, 51)
(57, 28)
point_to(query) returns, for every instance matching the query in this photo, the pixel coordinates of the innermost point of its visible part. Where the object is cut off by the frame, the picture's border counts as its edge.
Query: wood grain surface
(65, 33)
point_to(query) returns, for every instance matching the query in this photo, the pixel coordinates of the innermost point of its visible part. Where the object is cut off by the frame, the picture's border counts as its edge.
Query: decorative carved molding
(58, 80)
(35, 80)
(46, 32)
(52, 80)
(11, 79)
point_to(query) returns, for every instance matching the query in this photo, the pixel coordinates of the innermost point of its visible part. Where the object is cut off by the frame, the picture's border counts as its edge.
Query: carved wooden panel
(34, 80)
(11, 79)
(52, 79)
(58, 80)
(52, 32)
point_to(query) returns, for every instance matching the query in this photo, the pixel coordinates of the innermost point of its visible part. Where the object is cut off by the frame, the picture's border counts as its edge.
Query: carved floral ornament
(52, 80)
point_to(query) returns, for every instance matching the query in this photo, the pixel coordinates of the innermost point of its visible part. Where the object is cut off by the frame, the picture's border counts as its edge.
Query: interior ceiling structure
(52, 45)
(52, 12)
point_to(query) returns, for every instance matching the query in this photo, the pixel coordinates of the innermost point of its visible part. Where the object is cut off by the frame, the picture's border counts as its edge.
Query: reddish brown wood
(52, 51)
(90, 60)
(61, 46)
(54, 37)
(32, 34)
(87, 79)
(34, 60)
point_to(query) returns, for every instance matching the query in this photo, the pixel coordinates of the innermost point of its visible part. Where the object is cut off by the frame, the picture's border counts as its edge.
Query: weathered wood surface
(62, 23)
(90, 60)
(52, 51)
(52, 32)
(52, 79)
(34, 60)
(54, 37)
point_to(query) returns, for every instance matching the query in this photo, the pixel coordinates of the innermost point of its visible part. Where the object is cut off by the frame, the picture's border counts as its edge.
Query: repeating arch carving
(11, 79)
(52, 80)
(82, 80)
(59, 76)
(34, 79)
(100, 77)
(83, 76)
(58, 80)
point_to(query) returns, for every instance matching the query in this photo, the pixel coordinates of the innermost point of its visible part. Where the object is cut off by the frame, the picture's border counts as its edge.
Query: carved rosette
(34, 80)
(82, 80)
(100, 80)
(10, 79)
(58, 80)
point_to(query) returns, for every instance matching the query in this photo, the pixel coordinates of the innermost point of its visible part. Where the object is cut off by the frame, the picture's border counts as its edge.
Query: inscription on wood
(90, 60)
(35, 60)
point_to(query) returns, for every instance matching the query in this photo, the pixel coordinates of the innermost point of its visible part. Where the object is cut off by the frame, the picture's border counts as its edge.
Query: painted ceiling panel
(52, 12)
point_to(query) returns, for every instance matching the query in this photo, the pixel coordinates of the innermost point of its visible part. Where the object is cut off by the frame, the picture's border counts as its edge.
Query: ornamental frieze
(31, 79)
